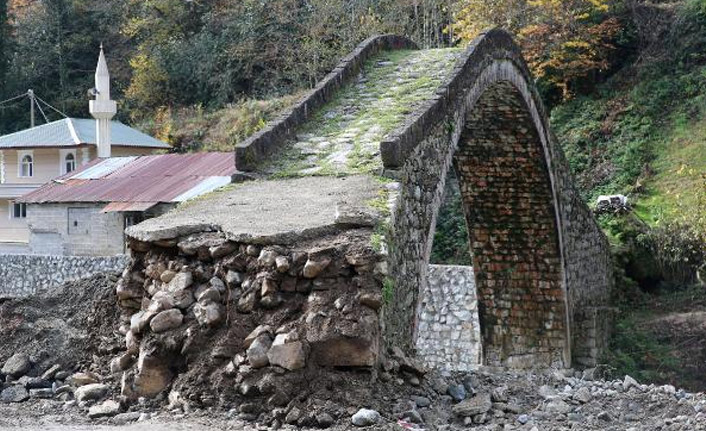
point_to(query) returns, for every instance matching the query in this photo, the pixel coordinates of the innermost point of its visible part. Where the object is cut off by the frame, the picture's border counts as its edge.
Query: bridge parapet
(268, 140)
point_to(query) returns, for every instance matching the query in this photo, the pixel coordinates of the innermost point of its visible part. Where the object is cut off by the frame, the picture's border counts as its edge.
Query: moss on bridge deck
(344, 136)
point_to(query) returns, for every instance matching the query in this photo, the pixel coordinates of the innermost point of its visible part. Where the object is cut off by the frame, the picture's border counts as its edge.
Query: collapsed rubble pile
(62, 370)
(202, 312)
(488, 399)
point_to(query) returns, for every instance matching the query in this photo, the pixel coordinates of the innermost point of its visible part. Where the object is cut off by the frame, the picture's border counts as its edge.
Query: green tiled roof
(70, 132)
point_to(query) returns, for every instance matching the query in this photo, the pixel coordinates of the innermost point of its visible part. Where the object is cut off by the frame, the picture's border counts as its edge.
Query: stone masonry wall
(509, 205)
(22, 275)
(449, 332)
(573, 253)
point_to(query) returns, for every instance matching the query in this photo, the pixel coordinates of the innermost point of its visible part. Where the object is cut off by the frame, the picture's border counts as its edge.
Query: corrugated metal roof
(159, 178)
(77, 131)
(116, 207)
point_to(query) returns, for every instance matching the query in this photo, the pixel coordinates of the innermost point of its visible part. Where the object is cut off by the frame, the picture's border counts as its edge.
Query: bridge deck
(271, 211)
(344, 136)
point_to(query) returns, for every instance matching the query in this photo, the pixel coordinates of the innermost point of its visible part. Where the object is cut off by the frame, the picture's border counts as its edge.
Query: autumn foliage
(565, 42)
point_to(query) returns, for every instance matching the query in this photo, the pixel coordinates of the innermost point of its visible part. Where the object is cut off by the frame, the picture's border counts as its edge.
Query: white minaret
(102, 108)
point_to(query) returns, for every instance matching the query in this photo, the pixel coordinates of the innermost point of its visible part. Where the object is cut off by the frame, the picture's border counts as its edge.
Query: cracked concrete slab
(271, 211)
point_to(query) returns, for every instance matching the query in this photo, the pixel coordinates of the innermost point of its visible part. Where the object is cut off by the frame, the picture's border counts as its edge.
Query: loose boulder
(257, 352)
(365, 417)
(107, 408)
(17, 365)
(14, 394)
(166, 320)
(92, 392)
(481, 403)
(287, 352)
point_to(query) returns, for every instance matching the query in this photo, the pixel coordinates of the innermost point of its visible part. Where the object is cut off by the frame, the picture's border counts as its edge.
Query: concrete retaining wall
(22, 275)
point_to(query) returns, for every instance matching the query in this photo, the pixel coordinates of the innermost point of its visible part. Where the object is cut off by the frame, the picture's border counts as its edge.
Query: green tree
(4, 48)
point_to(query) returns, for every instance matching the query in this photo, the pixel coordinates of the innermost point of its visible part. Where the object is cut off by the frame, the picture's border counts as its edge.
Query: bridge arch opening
(516, 284)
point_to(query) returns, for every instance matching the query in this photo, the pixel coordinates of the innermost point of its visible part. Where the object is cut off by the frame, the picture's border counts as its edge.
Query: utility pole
(30, 94)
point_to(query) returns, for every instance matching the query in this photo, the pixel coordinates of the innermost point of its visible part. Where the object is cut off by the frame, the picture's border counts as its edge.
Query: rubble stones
(153, 377)
(372, 300)
(234, 278)
(262, 329)
(557, 406)
(121, 363)
(51, 372)
(14, 394)
(222, 250)
(41, 393)
(267, 258)
(208, 314)
(476, 405)
(166, 320)
(324, 420)
(17, 365)
(257, 352)
(457, 392)
(286, 353)
(210, 294)
(91, 392)
(107, 408)
(180, 281)
(629, 382)
(125, 418)
(218, 284)
(313, 268)
(82, 379)
(167, 276)
(282, 264)
(293, 416)
(583, 395)
(365, 417)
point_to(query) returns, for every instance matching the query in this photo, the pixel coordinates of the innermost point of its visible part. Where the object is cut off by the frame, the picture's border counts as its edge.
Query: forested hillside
(172, 54)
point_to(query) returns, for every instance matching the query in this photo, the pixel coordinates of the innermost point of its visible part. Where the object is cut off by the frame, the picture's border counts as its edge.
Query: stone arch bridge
(541, 275)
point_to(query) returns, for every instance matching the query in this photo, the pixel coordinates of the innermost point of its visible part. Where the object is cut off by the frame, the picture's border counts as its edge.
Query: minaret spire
(102, 108)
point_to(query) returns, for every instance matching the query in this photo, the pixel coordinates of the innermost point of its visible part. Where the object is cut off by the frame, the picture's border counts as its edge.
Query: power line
(43, 114)
(48, 105)
(13, 98)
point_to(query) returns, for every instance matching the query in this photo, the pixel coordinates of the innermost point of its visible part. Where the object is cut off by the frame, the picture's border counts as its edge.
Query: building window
(26, 168)
(69, 163)
(18, 210)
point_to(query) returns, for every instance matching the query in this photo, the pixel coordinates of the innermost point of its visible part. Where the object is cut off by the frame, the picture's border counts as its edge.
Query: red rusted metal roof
(141, 179)
(127, 206)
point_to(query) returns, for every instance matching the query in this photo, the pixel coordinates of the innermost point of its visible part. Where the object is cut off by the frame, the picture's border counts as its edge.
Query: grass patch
(193, 129)
(650, 345)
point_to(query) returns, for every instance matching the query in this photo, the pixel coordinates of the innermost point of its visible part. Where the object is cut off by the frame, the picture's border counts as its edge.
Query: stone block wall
(449, 332)
(22, 275)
